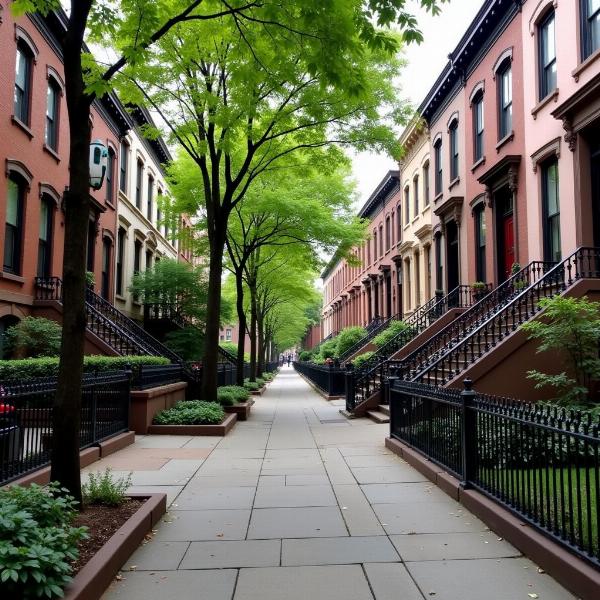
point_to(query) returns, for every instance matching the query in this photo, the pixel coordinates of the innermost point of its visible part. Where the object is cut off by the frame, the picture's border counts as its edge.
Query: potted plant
(478, 289)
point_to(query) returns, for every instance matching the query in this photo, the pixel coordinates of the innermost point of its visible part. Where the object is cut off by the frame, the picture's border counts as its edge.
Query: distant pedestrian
(289, 359)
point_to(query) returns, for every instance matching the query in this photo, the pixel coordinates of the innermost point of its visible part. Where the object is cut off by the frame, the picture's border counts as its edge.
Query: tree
(34, 337)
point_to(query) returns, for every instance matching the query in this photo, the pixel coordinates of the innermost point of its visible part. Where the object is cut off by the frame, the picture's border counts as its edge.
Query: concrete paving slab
(446, 546)
(356, 511)
(271, 480)
(343, 582)
(287, 496)
(224, 555)
(163, 441)
(293, 480)
(337, 551)
(430, 517)
(396, 493)
(395, 474)
(322, 521)
(172, 491)
(202, 441)
(374, 460)
(157, 556)
(203, 525)
(391, 582)
(198, 498)
(492, 579)
(223, 480)
(375, 450)
(174, 585)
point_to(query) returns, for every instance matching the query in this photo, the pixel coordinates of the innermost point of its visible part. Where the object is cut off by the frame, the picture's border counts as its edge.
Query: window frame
(139, 183)
(123, 166)
(17, 230)
(406, 204)
(150, 198)
(550, 220)
(544, 89)
(45, 246)
(478, 108)
(439, 167)
(480, 248)
(24, 114)
(120, 259)
(416, 207)
(587, 47)
(110, 176)
(426, 190)
(54, 120)
(453, 150)
(505, 123)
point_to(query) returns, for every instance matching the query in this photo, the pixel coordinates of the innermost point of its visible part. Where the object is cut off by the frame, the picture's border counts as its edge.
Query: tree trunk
(261, 345)
(253, 327)
(66, 414)
(213, 316)
(239, 284)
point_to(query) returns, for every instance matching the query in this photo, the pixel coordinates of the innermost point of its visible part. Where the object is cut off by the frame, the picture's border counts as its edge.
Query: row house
(510, 151)
(126, 212)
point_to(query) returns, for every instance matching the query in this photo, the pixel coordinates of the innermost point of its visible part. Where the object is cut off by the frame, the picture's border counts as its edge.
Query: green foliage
(252, 386)
(37, 541)
(327, 350)
(347, 338)
(34, 337)
(306, 355)
(187, 342)
(232, 349)
(394, 329)
(192, 412)
(361, 359)
(104, 489)
(228, 395)
(30, 368)
(570, 327)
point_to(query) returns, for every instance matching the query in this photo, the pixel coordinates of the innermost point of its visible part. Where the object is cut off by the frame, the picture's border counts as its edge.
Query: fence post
(330, 379)
(350, 399)
(93, 407)
(469, 434)
(129, 375)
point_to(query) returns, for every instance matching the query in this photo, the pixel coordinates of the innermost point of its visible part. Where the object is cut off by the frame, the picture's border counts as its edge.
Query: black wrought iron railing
(542, 463)
(516, 309)
(152, 376)
(446, 339)
(367, 380)
(26, 418)
(271, 366)
(328, 378)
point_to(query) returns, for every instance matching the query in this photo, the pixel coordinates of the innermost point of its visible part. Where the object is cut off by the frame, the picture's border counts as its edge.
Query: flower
(6, 408)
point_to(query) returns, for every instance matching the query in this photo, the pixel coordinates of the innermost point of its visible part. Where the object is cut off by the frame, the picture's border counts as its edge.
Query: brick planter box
(242, 410)
(222, 429)
(146, 403)
(260, 392)
(93, 579)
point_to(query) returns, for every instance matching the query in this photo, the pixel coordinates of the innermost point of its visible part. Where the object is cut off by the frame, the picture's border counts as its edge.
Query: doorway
(595, 175)
(400, 306)
(452, 255)
(388, 292)
(505, 233)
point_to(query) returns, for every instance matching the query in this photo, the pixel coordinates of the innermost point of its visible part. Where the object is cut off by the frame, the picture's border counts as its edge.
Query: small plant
(103, 489)
(228, 395)
(394, 329)
(90, 279)
(305, 356)
(348, 338)
(191, 412)
(571, 327)
(361, 359)
(516, 267)
(478, 286)
(519, 285)
(34, 337)
(37, 541)
(251, 386)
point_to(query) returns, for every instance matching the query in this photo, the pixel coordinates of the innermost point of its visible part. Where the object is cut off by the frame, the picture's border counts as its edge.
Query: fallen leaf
(533, 595)
(220, 534)
(119, 578)
(540, 570)
(133, 567)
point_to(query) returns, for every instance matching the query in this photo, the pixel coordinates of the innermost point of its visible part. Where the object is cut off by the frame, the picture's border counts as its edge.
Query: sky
(424, 63)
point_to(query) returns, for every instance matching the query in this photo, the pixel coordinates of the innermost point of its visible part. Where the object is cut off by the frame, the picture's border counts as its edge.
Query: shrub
(347, 338)
(238, 393)
(48, 367)
(260, 381)
(328, 349)
(102, 489)
(361, 359)
(37, 541)
(268, 376)
(34, 337)
(187, 342)
(305, 356)
(251, 386)
(394, 329)
(192, 412)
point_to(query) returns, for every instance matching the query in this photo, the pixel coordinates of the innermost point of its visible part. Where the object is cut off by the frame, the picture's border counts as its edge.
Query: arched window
(388, 241)
(150, 202)
(416, 194)
(110, 176)
(13, 228)
(23, 77)
(478, 126)
(426, 184)
(406, 205)
(374, 244)
(438, 166)
(453, 134)
(139, 184)
(123, 166)
(53, 95)
(505, 99)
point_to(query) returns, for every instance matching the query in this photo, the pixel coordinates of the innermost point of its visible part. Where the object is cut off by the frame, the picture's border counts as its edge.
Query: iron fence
(150, 376)
(329, 379)
(26, 411)
(272, 366)
(540, 462)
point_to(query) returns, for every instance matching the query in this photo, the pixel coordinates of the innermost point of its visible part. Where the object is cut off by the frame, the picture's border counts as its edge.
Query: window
(551, 210)
(547, 55)
(426, 183)
(137, 262)
(480, 242)
(416, 194)
(148, 260)
(123, 165)
(399, 221)
(228, 335)
(406, 205)
(52, 102)
(106, 255)
(590, 26)
(120, 259)
(453, 150)
(138, 184)
(149, 207)
(505, 100)
(23, 83)
(110, 176)
(159, 202)
(478, 127)
(368, 253)
(45, 239)
(375, 245)
(381, 240)
(438, 167)
(91, 245)
(13, 229)
(388, 241)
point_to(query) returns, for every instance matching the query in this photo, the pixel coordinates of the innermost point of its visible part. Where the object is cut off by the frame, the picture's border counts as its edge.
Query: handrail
(472, 318)
(521, 307)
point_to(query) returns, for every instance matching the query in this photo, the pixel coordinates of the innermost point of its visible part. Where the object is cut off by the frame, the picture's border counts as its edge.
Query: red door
(509, 245)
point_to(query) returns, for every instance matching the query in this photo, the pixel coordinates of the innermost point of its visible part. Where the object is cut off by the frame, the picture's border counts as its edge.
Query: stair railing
(584, 263)
(435, 347)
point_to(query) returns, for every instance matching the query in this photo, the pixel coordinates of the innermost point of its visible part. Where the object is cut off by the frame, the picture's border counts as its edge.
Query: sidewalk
(300, 504)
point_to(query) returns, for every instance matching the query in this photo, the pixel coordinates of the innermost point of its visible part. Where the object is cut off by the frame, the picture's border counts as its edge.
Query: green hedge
(347, 338)
(192, 412)
(228, 395)
(29, 368)
(361, 359)
(394, 329)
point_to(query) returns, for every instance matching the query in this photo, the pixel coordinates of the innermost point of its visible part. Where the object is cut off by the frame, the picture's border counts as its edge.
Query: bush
(394, 329)
(361, 359)
(188, 343)
(48, 367)
(102, 489)
(268, 376)
(328, 349)
(34, 337)
(228, 395)
(232, 349)
(37, 541)
(305, 356)
(192, 412)
(347, 338)
(252, 386)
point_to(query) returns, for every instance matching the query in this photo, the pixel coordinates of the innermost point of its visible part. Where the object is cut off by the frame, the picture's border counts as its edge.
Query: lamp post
(98, 164)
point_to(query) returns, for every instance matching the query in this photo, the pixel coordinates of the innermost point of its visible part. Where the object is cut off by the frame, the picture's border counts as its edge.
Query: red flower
(6, 408)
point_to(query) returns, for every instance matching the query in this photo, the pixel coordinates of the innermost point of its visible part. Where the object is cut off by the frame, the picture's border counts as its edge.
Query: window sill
(416, 219)
(110, 204)
(425, 210)
(12, 277)
(406, 226)
(454, 183)
(508, 138)
(121, 298)
(438, 196)
(52, 153)
(592, 58)
(477, 164)
(23, 126)
(551, 97)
